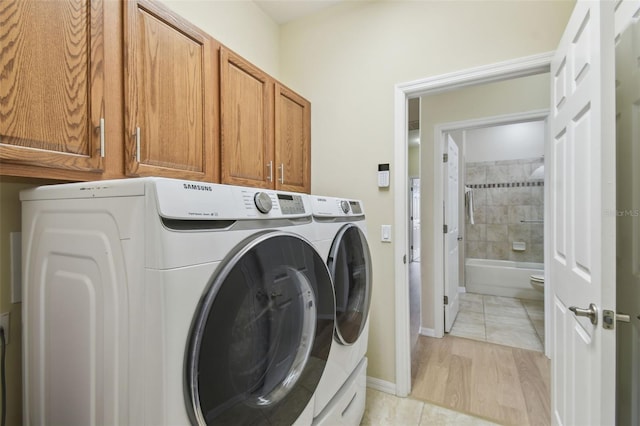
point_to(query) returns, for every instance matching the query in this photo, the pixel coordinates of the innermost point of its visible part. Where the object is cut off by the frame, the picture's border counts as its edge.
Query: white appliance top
(181, 199)
(330, 207)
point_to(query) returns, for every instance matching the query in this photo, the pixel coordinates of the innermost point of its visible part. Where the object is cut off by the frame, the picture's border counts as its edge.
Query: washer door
(261, 336)
(350, 265)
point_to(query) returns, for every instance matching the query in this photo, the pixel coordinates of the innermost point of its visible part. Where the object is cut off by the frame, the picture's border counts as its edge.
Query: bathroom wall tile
(498, 250)
(537, 233)
(479, 197)
(519, 232)
(476, 232)
(537, 195)
(518, 172)
(476, 249)
(519, 196)
(497, 232)
(497, 214)
(537, 251)
(520, 256)
(475, 174)
(498, 174)
(498, 196)
(480, 214)
(518, 213)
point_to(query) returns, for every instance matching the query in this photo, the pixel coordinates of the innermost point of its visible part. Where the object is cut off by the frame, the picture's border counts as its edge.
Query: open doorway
(431, 224)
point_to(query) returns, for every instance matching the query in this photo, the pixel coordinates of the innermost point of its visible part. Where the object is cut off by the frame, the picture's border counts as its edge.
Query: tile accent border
(504, 185)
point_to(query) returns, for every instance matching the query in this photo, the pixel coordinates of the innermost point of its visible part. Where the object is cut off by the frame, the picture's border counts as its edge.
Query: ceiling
(282, 11)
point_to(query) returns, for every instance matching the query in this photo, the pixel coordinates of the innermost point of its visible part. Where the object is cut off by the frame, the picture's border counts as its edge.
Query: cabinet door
(170, 95)
(52, 83)
(292, 141)
(246, 139)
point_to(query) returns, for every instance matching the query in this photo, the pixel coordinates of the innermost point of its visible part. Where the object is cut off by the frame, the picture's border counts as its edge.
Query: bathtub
(502, 278)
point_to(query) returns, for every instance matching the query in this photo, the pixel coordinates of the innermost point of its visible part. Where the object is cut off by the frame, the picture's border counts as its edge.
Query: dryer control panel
(329, 207)
(291, 203)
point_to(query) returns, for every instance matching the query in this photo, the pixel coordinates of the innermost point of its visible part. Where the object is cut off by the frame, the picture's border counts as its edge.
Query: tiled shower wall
(504, 195)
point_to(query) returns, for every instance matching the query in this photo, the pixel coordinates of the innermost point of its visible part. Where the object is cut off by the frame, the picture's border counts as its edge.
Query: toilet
(537, 282)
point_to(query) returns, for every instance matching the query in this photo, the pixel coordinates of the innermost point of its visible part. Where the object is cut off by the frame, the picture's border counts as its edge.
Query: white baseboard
(429, 332)
(381, 385)
(462, 289)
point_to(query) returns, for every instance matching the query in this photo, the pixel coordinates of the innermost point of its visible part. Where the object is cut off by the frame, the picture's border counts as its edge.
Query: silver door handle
(281, 173)
(459, 238)
(137, 136)
(591, 312)
(270, 166)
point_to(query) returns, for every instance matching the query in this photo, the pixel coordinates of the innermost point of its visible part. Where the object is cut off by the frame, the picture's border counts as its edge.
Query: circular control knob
(344, 205)
(263, 202)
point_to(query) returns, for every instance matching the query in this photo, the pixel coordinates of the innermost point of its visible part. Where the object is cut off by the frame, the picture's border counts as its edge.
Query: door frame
(520, 67)
(440, 132)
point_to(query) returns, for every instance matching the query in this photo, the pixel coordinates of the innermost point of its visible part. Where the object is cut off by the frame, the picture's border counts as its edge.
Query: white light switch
(386, 233)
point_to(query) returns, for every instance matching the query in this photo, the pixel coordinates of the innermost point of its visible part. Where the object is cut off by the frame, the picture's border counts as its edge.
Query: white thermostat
(383, 175)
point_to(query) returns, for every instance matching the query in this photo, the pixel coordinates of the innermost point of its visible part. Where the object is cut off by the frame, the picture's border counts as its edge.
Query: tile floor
(503, 320)
(383, 409)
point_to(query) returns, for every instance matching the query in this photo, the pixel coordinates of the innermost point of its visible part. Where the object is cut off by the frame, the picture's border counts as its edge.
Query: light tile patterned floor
(503, 320)
(384, 409)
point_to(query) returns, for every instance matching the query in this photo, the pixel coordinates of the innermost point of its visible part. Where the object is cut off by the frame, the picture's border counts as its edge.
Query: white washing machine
(164, 302)
(341, 240)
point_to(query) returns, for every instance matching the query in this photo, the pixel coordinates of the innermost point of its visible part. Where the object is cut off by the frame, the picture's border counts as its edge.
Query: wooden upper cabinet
(246, 137)
(52, 84)
(170, 95)
(292, 141)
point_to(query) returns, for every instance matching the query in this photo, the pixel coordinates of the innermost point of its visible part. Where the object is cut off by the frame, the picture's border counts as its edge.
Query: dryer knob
(344, 205)
(263, 202)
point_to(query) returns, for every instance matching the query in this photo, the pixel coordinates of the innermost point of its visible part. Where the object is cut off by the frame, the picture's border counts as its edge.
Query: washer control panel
(263, 202)
(291, 204)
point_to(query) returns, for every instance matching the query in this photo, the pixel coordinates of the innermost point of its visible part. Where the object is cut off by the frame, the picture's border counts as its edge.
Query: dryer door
(350, 265)
(261, 336)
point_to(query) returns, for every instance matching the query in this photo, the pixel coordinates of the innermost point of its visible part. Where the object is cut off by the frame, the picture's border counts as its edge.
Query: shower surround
(504, 196)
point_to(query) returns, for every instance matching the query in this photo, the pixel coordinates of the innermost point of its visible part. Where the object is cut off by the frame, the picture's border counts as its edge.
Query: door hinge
(446, 300)
(404, 259)
(445, 229)
(445, 158)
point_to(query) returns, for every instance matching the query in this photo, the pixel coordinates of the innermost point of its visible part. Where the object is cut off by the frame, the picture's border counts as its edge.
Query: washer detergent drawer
(347, 406)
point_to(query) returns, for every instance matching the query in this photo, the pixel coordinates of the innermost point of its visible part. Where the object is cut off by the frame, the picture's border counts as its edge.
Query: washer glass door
(260, 339)
(350, 265)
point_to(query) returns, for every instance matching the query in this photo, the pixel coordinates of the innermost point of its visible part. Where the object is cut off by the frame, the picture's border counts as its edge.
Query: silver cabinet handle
(270, 166)
(281, 173)
(102, 137)
(591, 313)
(137, 134)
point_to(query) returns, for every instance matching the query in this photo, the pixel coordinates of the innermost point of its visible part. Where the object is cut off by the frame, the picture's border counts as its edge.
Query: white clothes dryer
(341, 240)
(158, 301)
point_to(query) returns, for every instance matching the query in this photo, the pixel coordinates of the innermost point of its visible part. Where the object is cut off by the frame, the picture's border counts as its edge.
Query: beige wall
(508, 97)
(414, 161)
(238, 24)
(346, 61)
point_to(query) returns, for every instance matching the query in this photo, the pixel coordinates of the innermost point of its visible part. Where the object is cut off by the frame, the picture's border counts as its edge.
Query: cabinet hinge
(445, 158)
(446, 300)
(445, 229)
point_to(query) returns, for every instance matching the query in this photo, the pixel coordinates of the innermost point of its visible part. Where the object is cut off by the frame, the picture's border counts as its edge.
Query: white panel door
(628, 214)
(582, 131)
(451, 259)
